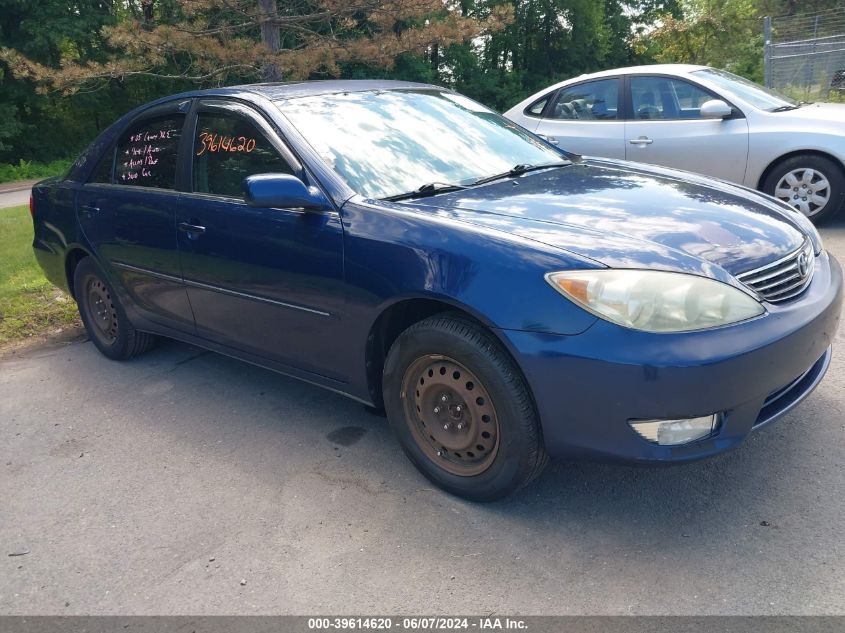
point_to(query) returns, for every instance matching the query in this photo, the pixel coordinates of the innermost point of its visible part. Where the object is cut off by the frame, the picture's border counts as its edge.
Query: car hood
(625, 215)
(820, 113)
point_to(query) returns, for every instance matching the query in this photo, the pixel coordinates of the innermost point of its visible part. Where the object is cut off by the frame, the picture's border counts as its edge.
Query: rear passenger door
(127, 211)
(268, 282)
(585, 118)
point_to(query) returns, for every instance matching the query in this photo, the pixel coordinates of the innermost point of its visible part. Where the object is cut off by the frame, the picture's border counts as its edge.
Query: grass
(29, 170)
(29, 304)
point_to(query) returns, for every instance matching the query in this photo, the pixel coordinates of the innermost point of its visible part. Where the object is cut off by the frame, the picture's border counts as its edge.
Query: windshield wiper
(428, 189)
(518, 170)
(433, 188)
(785, 108)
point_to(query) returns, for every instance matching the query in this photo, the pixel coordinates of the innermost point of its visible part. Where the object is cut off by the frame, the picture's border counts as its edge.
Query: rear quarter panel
(56, 230)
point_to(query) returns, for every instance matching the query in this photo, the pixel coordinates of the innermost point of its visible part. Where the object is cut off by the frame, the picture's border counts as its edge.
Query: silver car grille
(784, 278)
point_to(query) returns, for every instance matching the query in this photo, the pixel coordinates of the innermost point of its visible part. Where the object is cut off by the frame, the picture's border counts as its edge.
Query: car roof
(644, 68)
(295, 89)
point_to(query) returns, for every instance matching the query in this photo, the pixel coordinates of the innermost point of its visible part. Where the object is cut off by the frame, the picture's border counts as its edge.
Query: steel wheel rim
(805, 189)
(451, 415)
(101, 310)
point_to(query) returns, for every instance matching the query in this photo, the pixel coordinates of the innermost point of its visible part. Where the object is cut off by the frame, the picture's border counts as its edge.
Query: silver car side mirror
(715, 109)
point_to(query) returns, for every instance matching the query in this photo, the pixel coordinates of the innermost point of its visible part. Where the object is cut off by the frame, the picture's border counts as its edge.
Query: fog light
(674, 432)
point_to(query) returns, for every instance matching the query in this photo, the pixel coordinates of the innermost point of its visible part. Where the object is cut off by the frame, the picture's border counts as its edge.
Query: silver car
(703, 120)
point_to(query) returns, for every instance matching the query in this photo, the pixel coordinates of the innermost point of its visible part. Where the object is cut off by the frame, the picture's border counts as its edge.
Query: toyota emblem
(803, 264)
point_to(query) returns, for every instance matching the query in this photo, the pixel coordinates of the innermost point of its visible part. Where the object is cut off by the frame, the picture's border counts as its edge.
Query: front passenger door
(666, 128)
(268, 282)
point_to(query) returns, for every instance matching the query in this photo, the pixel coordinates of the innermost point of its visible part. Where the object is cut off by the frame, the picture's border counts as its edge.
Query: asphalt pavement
(15, 193)
(184, 482)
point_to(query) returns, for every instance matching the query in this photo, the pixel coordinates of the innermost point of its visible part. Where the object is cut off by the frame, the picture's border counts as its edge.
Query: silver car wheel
(808, 190)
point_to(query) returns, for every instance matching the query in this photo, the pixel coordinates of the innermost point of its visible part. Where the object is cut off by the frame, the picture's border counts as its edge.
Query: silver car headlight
(656, 301)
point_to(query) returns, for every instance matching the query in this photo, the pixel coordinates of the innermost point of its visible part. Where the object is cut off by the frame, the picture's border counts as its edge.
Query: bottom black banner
(415, 623)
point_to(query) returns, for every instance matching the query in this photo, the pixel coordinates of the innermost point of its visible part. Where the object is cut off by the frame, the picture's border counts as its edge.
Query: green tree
(98, 58)
(721, 33)
(47, 126)
(547, 41)
(214, 41)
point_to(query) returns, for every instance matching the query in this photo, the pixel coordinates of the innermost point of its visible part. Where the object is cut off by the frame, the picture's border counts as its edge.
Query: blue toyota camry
(504, 301)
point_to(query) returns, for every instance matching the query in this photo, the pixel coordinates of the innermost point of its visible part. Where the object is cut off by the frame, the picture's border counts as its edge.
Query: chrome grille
(784, 278)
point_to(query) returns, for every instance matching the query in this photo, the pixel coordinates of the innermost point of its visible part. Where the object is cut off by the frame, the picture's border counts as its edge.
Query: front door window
(227, 149)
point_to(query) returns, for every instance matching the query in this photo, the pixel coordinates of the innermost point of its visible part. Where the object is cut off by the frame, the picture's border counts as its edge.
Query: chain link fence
(805, 55)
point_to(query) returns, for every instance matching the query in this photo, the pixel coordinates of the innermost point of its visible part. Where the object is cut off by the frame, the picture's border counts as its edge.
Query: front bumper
(588, 386)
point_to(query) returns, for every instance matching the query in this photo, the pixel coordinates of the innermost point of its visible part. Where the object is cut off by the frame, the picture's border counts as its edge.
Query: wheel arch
(402, 314)
(74, 255)
(798, 152)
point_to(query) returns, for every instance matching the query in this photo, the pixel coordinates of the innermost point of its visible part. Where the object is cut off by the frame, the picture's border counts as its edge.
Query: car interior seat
(582, 109)
(564, 111)
(599, 109)
(647, 108)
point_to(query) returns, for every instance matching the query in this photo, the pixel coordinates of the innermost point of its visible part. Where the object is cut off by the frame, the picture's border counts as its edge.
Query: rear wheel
(461, 410)
(104, 318)
(814, 185)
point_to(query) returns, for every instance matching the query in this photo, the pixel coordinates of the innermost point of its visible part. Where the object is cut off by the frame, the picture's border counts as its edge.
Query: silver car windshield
(754, 94)
(386, 143)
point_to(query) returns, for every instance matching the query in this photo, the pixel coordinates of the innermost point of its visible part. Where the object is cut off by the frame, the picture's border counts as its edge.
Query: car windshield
(753, 94)
(386, 143)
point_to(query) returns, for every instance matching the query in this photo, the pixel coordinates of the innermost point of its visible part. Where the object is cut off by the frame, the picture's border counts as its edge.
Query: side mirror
(282, 191)
(715, 109)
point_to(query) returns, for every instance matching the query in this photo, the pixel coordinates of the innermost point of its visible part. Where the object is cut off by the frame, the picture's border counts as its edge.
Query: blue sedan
(503, 300)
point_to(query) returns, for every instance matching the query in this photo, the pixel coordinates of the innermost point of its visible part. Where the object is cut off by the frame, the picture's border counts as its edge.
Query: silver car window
(667, 98)
(753, 94)
(589, 101)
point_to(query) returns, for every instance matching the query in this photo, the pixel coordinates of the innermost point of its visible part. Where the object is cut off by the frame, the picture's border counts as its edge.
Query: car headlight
(656, 301)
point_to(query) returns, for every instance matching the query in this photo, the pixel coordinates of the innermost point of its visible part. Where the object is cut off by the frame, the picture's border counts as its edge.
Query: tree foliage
(70, 67)
(721, 33)
(218, 41)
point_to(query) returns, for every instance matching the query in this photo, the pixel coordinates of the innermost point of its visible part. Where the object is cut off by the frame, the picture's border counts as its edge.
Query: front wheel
(461, 410)
(814, 185)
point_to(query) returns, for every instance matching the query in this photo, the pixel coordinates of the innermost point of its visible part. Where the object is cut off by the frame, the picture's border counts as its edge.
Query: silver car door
(666, 128)
(585, 118)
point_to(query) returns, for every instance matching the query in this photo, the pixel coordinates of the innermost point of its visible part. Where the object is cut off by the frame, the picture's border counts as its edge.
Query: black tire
(102, 315)
(820, 168)
(513, 453)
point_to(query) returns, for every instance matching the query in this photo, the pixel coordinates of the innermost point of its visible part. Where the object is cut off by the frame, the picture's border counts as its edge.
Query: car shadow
(750, 486)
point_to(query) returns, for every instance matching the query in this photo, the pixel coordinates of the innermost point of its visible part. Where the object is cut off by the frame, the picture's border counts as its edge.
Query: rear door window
(536, 108)
(146, 153)
(103, 171)
(589, 101)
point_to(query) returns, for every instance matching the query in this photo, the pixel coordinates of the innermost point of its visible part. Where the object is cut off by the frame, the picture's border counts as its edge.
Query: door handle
(642, 140)
(90, 208)
(193, 230)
